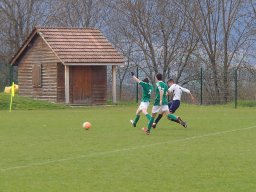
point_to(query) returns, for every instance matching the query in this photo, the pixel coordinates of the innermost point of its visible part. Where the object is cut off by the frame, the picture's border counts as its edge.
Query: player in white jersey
(176, 91)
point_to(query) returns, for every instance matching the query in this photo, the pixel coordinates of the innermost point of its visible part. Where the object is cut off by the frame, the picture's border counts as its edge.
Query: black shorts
(173, 105)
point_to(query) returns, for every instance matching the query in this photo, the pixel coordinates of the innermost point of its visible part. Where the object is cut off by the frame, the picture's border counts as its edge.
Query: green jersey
(147, 90)
(161, 86)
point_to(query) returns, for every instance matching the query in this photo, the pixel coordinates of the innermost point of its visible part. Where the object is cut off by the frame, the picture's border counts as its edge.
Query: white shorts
(160, 109)
(144, 105)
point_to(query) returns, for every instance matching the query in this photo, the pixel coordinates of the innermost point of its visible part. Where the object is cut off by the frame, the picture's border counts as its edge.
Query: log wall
(88, 84)
(38, 53)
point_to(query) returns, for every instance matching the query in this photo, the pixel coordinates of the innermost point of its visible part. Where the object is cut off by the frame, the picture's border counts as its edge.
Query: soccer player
(161, 104)
(146, 94)
(176, 91)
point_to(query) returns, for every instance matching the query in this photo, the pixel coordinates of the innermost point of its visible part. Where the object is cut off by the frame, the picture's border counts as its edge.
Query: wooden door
(82, 84)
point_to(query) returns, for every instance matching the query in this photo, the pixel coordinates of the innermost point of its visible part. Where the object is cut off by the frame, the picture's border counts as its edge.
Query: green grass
(48, 150)
(26, 103)
(247, 103)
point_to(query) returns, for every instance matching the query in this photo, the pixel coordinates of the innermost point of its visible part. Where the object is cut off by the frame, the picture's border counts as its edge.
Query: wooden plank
(71, 31)
(37, 75)
(92, 61)
(103, 44)
(90, 55)
(82, 46)
(51, 50)
(67, 89)
(74, 37)
(99, 87)
(75, 40)
(85, 49)
(38, 53)
(82, 85)
(114, 83)
(60, 83)
(48, 90)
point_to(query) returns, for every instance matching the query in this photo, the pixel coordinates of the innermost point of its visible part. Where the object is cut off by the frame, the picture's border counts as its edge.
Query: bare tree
(223, 30)
(77, 13)
(158, 32)
(18, 18)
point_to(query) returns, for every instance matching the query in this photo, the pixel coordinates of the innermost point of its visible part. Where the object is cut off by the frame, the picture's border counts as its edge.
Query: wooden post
(236, 87)
(114, 83)
(66, 84)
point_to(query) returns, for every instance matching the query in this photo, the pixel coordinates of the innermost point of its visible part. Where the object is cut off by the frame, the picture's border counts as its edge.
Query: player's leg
(144, 111)
(151, 121)
(159, 117)
(176, 119)
(155, 110)
(183, 123)
(174, 106)
(137, 117)
(165, 110)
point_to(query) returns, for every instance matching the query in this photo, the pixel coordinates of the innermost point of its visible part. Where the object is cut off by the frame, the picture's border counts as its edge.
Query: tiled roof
(80, 45)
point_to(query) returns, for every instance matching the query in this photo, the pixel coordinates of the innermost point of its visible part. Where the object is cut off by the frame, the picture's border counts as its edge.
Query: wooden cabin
(66, 65)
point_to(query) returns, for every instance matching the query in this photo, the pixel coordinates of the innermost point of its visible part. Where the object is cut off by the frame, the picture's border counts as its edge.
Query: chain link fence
(241, 89)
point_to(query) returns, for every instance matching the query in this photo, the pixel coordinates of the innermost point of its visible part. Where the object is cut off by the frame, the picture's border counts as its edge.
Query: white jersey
(176, 91)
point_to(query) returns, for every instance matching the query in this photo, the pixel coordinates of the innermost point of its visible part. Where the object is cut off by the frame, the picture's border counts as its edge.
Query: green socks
(172, 117)
(151, 121)
(148, 117)
(136, 119)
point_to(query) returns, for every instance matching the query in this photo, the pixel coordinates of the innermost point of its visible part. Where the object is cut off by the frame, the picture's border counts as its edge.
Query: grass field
(48, 150)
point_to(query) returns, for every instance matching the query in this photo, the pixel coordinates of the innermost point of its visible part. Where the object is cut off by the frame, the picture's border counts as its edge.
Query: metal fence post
(235, 78)
(137, 85)
(201, 86)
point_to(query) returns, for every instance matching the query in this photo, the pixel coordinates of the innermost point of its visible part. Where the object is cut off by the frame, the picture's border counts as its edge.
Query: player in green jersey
(161, 104)
(175, 91)
(146, 94)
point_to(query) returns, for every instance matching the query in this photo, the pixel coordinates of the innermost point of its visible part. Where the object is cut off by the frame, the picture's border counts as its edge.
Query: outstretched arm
(190, 94)
(135, 78)
(192, 98)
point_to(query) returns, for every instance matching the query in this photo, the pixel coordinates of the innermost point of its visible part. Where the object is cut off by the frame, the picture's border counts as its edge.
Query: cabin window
(37, 75)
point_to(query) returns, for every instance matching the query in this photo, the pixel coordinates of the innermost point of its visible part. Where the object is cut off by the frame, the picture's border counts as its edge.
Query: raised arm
(135, 78)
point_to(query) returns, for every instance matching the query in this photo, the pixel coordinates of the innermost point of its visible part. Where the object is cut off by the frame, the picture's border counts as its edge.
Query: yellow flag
(12, 95)
(13, 89)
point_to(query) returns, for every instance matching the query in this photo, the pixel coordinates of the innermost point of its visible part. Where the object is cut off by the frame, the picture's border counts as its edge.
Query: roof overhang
(116, 60)
(23, 47)
(93, 64)
(26, 45)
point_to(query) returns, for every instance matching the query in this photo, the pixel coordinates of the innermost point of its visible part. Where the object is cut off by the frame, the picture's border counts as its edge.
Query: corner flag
(12, 95)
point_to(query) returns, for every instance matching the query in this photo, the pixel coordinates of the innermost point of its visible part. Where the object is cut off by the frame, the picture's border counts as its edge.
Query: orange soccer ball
(87, 125)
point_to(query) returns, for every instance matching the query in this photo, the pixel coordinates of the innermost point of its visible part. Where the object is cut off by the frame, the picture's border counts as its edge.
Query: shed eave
(22, 48)
(93, 64)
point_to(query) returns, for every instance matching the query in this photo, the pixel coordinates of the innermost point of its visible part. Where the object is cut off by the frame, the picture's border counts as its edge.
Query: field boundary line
(122, 150)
